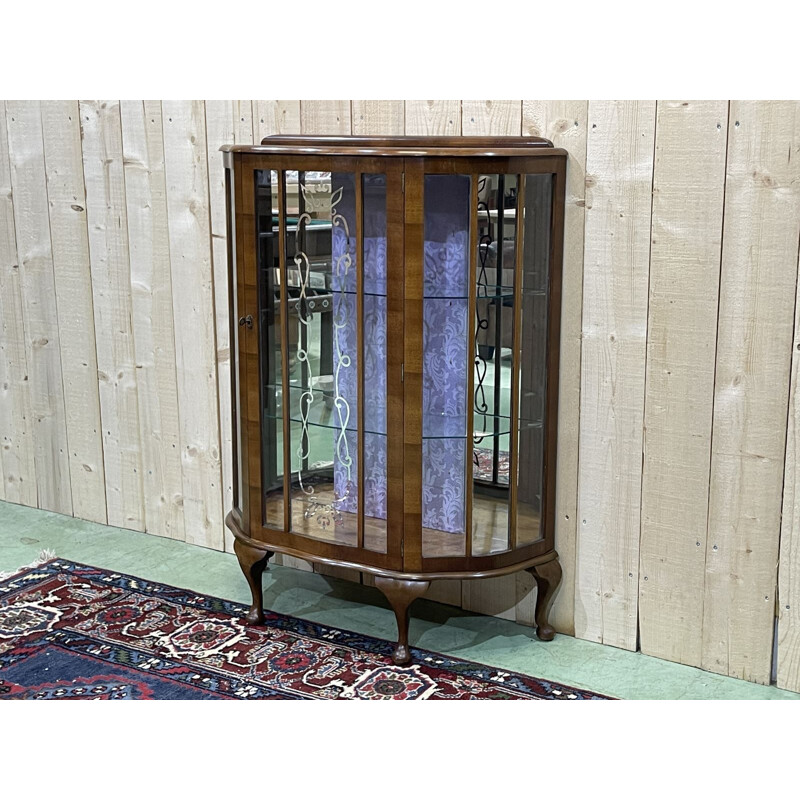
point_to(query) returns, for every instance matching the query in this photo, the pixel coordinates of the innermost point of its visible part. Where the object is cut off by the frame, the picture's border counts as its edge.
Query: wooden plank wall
(677, 524)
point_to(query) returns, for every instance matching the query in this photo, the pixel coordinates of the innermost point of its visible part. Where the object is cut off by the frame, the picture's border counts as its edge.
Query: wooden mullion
(413, 363)
(246, 245)
(395, 336)
(554, 271)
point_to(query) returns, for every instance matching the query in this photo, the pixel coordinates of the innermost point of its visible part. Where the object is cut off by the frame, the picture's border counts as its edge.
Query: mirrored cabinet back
(395, 315)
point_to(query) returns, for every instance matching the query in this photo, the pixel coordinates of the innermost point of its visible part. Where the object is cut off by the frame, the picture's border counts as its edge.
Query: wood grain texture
(111, 291)
(619, 170)
(788, 601)
(185, 158)
(37, 281)
(565, 124)
(618, 397)
(17, 462)
(276, 116)
(755, 335)
(151, 305)
(688, 195)
(69, 235)
(491, 117)
(325, 117)
(244, 122)
(226, 123)
(433, 117)
(378, 117)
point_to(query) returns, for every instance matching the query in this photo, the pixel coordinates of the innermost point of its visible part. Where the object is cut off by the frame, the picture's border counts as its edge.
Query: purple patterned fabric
(444, 342)
(445, 354)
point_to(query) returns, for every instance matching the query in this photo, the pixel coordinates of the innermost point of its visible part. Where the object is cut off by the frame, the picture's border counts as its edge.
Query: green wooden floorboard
(25, 532)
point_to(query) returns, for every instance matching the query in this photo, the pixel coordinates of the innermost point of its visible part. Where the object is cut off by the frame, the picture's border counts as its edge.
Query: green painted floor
(25, 532)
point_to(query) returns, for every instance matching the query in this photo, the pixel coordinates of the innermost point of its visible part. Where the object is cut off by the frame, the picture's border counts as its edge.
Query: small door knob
(248, 321)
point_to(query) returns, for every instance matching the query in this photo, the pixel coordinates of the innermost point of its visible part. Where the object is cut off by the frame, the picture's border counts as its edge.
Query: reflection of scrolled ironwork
(325, 512)
(481, 323)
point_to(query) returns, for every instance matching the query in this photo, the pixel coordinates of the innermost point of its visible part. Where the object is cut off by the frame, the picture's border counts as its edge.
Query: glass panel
(445, 364)
(271, 331)
(323, 396)
(533, 356)
(374, 356)
(494, 340)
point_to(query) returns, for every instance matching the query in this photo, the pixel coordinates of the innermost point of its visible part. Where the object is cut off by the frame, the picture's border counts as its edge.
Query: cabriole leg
(547, 577)
(253, 561)
(401, 594)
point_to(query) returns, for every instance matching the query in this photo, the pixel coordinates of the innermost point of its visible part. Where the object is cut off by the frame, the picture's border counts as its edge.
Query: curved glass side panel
(271, 331)
(532, 361)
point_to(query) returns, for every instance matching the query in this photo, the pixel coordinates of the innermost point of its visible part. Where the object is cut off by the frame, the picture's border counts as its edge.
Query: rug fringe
(43, 557)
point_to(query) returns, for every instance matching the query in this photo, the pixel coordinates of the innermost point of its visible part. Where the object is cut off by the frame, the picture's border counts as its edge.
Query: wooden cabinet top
(403, 146)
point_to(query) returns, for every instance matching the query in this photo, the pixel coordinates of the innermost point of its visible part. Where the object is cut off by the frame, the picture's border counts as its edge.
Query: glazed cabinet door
(322, 259)
(480, 253)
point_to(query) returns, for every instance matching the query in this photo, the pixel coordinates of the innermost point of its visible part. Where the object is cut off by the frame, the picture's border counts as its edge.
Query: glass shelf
(437, 426)
(489, 292)
(322, 412)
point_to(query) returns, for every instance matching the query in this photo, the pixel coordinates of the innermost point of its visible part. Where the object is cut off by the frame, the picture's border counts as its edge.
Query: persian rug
(75, 632)
(482, 465)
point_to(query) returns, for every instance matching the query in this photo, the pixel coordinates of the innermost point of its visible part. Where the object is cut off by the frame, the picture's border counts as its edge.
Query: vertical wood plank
(106, 215)
(378, 117)
(226, 123)
(244, 122)
(619, 173)
(17, 463)
(564, 122)
(34, 248)
(788, 603)
(69, 235)
(756, 320)
(491, 117)
(319, 117)
(185, 158)
(433, 117)
(151, 306)
(276, 116)
(686, 238)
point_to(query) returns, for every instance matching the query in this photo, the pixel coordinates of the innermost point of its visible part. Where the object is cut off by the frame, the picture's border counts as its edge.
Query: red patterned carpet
(73, 632)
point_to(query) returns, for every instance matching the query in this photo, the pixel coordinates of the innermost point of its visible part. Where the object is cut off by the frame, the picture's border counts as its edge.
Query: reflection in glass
(532, 376)
(374, 361)
(271, 330)
(323, 397)
(494, 342)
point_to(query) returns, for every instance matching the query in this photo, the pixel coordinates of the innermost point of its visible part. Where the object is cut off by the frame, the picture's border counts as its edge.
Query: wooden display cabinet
(395, 308)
